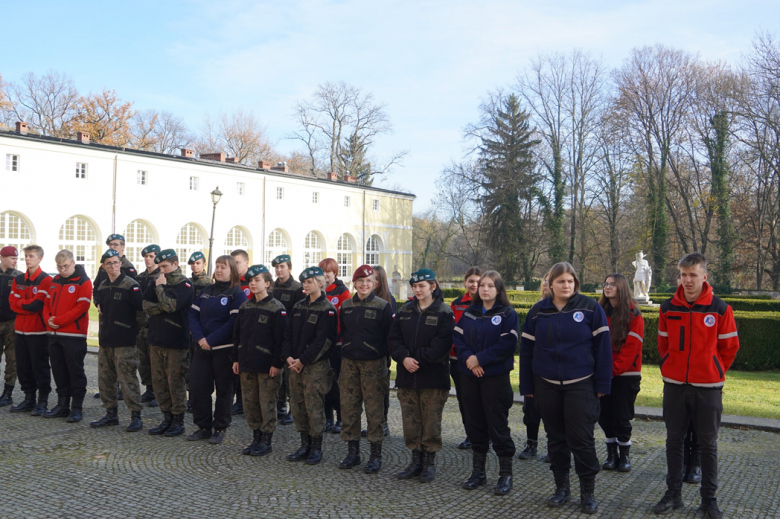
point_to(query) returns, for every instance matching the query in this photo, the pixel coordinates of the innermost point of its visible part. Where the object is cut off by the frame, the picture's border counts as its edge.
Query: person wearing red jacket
(697, 342)
(471, 283)
(28, 293)
(66, 312)
(627, 332)
(336, 292)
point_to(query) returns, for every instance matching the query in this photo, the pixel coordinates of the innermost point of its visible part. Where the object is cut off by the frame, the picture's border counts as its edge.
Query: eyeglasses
(112, 263)
(610, 285)
(64, 266)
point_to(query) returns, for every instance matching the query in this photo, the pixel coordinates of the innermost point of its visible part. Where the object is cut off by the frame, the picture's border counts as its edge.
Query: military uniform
(7, 336)
(287, 293)
(145, 279)
(128, 269)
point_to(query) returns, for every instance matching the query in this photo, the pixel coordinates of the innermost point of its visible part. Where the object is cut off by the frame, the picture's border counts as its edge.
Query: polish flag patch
(188, 285)
(330, 312)
(284, 313)
(135, 289)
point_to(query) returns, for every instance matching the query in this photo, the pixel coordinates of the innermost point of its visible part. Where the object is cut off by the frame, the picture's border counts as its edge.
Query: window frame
(84, 170)
(142, 177)
(375, 205)
(279, 193)
(240, 188)
(12, 162)
(347, 201)
(196, 184)
(315, 197)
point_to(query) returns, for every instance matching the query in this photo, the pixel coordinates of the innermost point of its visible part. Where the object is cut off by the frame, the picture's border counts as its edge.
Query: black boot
(385, 429)
(164, 425)
(588, 503)
(672, 500)
(529, 451)
(238, 408)
(353, 455)
(709, 505)
(562, 491)
(624, 464)
(75, 410)
(40, 407)
(257, 437)
(477, 476)
(200, 434)
(218, 437)
(109, 419)
(61, 410)
(287, 419)
(189, 406)
(693, 474)
(612, 457)
(28, 404)
(281, 410)
(148, 395)
(303, 451)
(414, 468)
(8, 392)
(504, 484)
(336, 429)
(264, 447)
(315, 456)
(135, 424)
(428, 467)
(375, 460)
(119, 395)
(177, 426)
(465, 444)
(328, 418)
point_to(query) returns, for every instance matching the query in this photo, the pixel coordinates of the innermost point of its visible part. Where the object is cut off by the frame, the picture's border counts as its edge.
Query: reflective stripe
(31, 333)
(17, 295)
(513, 332)
(196, 307)
(662, 334)
(602, 329)
(566, 382)
(637, 336)
(727, 335)
(43, 292)
(222, 347)
(630, 374)
(69, 334)
(529, 337)
(458, 329)
(88, 300)
(234, 311)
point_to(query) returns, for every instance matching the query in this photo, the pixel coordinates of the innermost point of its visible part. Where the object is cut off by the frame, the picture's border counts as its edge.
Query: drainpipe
(364, 227)
(262, 247)
(113, 207)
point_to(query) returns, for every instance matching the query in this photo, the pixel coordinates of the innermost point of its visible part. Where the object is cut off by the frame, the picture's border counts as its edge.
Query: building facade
(72, 194)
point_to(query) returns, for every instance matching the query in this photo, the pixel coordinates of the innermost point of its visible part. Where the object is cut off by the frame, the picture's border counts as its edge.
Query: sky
(430, 62)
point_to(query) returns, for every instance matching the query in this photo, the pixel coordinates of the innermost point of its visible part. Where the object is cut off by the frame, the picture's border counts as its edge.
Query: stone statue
(642, 279)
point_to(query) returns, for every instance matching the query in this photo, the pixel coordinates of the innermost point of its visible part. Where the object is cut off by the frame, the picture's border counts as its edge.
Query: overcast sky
(429, 61)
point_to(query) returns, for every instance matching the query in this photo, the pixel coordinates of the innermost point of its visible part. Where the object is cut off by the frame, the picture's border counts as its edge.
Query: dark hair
(329, 265)
(239, 252)
(382, 289)
(500, 289)
(230, 261)
(620, 317)
(560, 269)
(693, 259)
(473, 271)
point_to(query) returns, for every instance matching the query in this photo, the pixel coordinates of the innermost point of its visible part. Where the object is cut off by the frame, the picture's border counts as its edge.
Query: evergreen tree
(353, 157)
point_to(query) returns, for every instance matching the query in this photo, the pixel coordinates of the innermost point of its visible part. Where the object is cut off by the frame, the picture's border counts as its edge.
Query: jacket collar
(357, 299)
(118, 279)
(35, 275)
(547, 304)
(322, 296)
(286, 284)
(705, 298)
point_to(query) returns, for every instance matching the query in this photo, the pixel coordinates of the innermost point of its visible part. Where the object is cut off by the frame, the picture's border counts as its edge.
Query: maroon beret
(9, 251)
(363, 271)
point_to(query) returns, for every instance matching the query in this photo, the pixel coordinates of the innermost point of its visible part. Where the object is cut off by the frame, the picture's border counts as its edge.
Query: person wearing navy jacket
(566, 364)
(212, 319)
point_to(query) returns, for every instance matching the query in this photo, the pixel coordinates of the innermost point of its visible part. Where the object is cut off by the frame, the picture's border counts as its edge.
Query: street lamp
(215, 196)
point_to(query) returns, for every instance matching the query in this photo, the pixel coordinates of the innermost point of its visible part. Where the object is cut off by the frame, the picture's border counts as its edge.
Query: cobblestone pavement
(49, 468)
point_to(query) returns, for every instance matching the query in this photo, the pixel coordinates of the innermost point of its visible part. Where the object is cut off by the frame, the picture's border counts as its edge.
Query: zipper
(416, 331)
(690, 346)
(558, 348)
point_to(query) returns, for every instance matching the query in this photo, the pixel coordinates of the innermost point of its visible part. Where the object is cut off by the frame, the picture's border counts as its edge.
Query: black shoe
(415, 467)
(281, 410)
(709, 506)
(135, 424)
(477, 477)
(547, 457)
(200, 434)
(147, 395)
(28, 404)
(465, 444)
(164, 425)
(588, 503)
(428, 467)
(75, 415)
(96, 395)
(238, 408)
(153, 403)
(218, 436)
(41, 406)
(109, 419)
(61, 410)
(693, 470)
(328, 424)
(315, 456)
(612, 457)
(336, 429)
(671, 501)
(385, 428)
(562, 491)
(264, 447)
(504, 484)
(375, 459)
(353, 455)
(530, 450)
(287, 420)
(364, 433)
(257, 437)
(119, 395)
(624, 463)
(189, 407)
(6, 398)
(177, 426)
(303, 451)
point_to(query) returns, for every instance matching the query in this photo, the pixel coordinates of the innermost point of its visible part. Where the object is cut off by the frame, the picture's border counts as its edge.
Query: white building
(72, 194)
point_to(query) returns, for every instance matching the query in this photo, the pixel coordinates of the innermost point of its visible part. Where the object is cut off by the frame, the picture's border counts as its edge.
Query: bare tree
(48, 103)
(239, 134)
(162, 132)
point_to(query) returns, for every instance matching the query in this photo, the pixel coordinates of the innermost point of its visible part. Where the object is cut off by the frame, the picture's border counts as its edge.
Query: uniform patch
(334, 300)
(71, 289)
(709, 321)
(496, 320)
(224, 301)
(312, 319)
(246, 292)
(35, 290)
(188, 285)
(136, 289)
(263, 319)
(117, 296)
(285, 297)
(432, 320)
(370, 314)
(284, 313)
(578, 316)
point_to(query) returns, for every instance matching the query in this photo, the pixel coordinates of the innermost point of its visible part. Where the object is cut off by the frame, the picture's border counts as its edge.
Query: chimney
(21, 127)
(220, 157)
(187, 153)
(232, 160)
(82, 137)
(280, 166)
(332, 176)
(350, 178)
(264, 164)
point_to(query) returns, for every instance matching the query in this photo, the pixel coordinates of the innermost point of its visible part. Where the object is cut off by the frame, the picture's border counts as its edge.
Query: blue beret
(195, 256)
(422, 275)
(110, 253)
(164, 255)
(254, 270)
(150, 248)
(112, 237)
(280, 259)
(310, 273)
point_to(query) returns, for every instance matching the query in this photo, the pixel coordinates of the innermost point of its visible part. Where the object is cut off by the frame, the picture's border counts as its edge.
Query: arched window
(276, 245)
(15, 231)
(137, 236)
(344, 256)
(312, 250)
(189, 240)
(78, 236)
(372, 250)
(236, 239)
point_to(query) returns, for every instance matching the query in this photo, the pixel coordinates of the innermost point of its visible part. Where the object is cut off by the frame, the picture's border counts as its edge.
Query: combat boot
(428, 467)
(257, 437)
(109, 419)
(61, 410)
(336, 429)
(672, 500)
(353, 455)
(164, 425)
(135, 424)
(28, 404)
(7, 399)
(264, 447)
(177, 426)
(530, 450)
(303, 451)
(709, 505)
(612, 457)
(477, 477)
(75, 410)
(415, 467)
(328, 419)
(588, 503)
(624, 463)
(119, 395)
(200, 434)
(562, 490)
(504, 484)
(281, 410)
(148, 395)
(238, 408)
(375, 460)
(40, 407)
(218, 437)
(465, 444)
(315, 456)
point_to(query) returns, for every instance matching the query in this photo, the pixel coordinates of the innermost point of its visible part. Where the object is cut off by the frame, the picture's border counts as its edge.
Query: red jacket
(458, 307)
(337, 293)
(245, 287)
(68, 301)
(697, 342)
(28, 294)
(628, 361)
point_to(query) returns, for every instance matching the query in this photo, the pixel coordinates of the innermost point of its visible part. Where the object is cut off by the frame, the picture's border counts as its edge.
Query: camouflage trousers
(118, 364)
(421, 412)
(307, 396)
(8, 348)
(144, 363)
(168, 369)
(258, 392)
(363, 382)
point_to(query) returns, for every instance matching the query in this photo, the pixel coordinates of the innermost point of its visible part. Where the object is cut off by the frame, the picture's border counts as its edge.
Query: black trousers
(486, 402)
(32, 363)
(531, 418)
(569, 413)
(284, 388)
(702, 407)
(210, 369)
(67, 365)
(333, 398)
(456, 375)
(617, 408)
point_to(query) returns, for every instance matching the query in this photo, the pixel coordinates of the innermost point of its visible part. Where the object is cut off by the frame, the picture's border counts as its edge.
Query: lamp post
(215, 196)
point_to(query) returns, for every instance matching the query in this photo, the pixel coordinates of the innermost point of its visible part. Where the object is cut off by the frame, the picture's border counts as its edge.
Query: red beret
(363, 271)
(9, 251)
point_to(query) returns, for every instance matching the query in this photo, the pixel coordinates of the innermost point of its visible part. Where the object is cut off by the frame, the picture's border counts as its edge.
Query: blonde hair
(63, 255)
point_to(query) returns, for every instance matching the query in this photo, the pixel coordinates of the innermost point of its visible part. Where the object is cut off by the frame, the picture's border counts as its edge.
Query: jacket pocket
(367, 345)
(177, 325)
(123, 325)
(717, 365)
(264, 350)
(663, 360)
(682, 338)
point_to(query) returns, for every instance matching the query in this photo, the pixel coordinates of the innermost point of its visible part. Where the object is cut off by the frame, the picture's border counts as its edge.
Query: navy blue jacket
(492, 337)
(214, 312)
(566, 345)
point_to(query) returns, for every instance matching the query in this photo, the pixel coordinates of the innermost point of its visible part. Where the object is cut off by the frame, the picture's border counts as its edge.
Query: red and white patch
(35, 290)
(331, 312)
(188, 285)
(284, 313)
(136, 289)
(71, 289)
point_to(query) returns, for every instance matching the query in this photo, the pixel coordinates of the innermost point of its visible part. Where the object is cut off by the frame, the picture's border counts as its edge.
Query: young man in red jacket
(697, 341)
(66, 312)
(28, 293)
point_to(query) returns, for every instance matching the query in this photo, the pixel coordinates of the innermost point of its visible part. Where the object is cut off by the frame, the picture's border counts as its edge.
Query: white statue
(643, 278)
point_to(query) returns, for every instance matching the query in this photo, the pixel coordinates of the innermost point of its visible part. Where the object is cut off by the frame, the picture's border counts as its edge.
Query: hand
(296, 365)
(274, 371)
(235, 368)
(161, 280)
(528, 396)
(600, 394)
(478, 371)
(411, 365)
(51, 324)
(204, 345)
(472, 362)
(99, 311)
